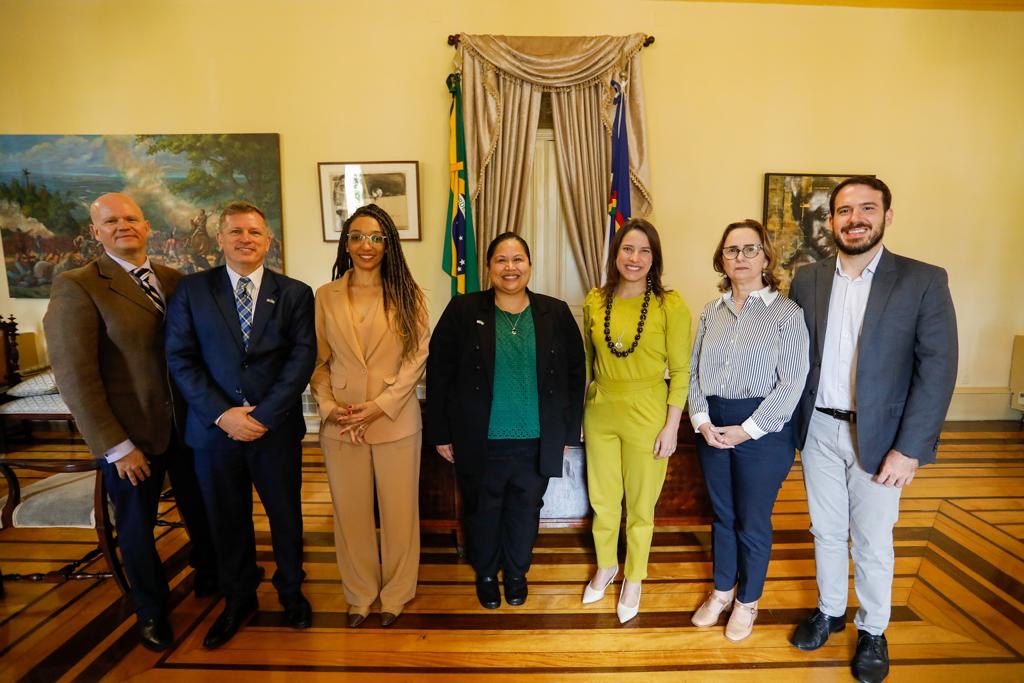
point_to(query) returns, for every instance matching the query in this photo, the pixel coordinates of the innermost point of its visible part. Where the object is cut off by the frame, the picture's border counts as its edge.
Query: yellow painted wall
(930, 101)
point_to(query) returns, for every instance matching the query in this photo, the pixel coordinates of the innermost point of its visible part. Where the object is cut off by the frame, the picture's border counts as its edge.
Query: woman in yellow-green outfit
(634, 331)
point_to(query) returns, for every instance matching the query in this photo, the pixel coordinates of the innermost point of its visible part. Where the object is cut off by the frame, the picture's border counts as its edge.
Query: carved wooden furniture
(73, 496)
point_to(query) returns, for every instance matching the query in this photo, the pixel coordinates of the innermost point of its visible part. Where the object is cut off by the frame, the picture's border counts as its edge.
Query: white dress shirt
(837, 386)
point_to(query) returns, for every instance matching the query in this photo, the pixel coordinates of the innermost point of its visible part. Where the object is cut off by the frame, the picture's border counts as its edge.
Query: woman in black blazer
(505, 380)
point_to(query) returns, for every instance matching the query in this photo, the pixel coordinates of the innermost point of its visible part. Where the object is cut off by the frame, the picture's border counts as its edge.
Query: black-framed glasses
(748, 251)
(355, 237)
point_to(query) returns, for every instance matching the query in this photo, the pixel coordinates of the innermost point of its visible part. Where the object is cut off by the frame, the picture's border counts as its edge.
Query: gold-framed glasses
(748, 251)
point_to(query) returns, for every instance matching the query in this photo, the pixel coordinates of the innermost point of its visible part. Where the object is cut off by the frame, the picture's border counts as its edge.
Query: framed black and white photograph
(391, 185)
(796, 216)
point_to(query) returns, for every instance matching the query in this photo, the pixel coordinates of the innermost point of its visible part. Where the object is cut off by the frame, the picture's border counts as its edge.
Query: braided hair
(403, 298)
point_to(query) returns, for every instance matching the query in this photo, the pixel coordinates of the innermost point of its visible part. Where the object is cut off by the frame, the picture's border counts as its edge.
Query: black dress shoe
(516, 590)
(228, 623)
(355, 620)
(815, 630)
(297, 611)
(487, 591)
(205, 584)
(388, 618)
(871, 663)
(156, 634)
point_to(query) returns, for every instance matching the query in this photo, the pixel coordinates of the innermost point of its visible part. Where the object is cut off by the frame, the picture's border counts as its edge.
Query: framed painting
(391, 185)
(796, 216)
(47, 183)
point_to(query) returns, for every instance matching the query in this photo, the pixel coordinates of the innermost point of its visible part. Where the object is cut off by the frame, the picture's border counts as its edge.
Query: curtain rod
(453, 40)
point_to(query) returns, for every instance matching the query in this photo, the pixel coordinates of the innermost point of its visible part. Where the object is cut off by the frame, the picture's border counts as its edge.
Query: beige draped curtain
(503, 78)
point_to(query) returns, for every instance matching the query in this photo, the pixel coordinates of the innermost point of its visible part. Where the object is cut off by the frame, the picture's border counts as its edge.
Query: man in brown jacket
(105, 333)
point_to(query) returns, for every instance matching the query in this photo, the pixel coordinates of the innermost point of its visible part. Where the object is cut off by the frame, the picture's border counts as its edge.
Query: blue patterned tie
(243, 304)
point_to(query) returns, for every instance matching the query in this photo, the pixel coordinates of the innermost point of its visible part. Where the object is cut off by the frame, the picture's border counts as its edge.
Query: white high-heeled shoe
(592, 594)
(626, 613)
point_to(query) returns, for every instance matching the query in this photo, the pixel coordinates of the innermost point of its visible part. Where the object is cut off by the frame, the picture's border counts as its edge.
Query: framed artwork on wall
(391, 185)
(181, 183)
(796, 216)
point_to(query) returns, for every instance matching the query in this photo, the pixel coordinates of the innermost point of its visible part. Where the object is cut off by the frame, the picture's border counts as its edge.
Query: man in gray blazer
(105, 333)
(883, 367)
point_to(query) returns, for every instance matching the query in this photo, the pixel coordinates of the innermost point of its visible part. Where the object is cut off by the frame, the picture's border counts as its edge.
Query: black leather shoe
(871, 663)
(487, 591)
(297, 611)
(815, 630)
(388, 618)
(156, 634)
(516, 590)
(355, 620)
(205, 584)
(228, 623)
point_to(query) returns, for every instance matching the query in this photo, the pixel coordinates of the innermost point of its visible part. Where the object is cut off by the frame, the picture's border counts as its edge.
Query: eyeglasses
(749, 251)
(355, 237)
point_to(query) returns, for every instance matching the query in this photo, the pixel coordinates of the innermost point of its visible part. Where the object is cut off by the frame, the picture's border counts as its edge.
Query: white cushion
(47, 403)
(61, 500)
(38, 385)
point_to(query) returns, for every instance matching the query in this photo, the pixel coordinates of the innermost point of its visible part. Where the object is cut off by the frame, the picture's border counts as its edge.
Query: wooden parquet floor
(958, 598)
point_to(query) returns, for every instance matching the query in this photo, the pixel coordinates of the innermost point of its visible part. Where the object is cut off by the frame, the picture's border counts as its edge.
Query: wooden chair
(75, 495)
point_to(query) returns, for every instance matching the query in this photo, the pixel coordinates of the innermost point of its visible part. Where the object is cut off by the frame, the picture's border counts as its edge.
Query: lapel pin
(480, 322)
(271, 301)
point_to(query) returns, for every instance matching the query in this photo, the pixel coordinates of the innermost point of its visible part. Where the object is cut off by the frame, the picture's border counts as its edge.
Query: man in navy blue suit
(241, 347)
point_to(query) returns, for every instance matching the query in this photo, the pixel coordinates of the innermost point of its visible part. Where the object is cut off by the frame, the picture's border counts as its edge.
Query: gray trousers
(846, 506)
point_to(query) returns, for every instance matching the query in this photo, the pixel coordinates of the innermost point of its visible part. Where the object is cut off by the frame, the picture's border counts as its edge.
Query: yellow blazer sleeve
(320, 382)
(400, 388)
(677, 338)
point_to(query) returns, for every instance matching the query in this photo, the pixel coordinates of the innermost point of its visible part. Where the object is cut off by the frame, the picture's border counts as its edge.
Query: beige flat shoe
(708, 613)
(741, 623)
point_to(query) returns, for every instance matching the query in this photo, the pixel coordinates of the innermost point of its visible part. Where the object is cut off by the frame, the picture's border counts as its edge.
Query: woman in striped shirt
(750, 360)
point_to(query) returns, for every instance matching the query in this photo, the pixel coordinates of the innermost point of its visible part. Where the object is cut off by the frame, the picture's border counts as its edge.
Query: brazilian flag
(459, 259)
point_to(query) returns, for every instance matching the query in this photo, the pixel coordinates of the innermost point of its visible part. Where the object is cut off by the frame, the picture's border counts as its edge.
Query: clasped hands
(355, 418)
(239, 425)
(723, 437)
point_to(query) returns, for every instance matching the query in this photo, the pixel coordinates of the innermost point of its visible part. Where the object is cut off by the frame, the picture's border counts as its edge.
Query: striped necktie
(243, 304)
(142, 275)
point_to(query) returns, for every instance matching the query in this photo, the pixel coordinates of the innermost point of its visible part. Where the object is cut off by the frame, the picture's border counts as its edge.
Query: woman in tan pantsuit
(372, 335)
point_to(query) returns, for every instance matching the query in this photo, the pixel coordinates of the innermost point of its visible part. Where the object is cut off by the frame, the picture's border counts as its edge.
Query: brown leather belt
(844, 415)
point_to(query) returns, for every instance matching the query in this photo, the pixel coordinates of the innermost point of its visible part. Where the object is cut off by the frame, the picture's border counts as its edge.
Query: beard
(866, 246)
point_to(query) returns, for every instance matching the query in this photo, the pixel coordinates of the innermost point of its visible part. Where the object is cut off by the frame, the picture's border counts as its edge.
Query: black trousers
(135, 509)
(226, 478)
(501, 508)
